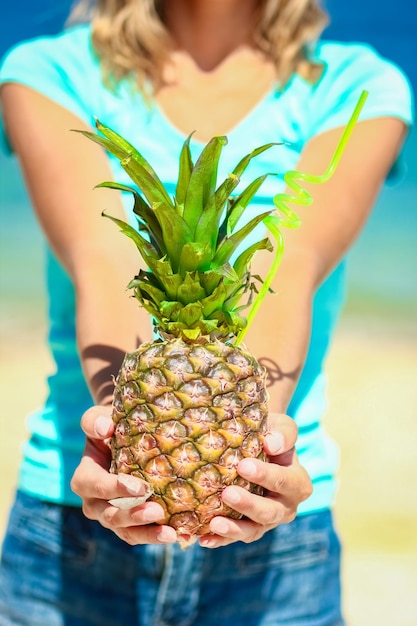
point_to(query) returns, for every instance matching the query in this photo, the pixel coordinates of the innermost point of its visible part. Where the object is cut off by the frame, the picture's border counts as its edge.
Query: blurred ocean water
(383, 262)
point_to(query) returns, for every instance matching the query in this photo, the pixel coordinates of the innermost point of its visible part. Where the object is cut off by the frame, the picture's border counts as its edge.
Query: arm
(328, 229)
(311, 253)
(61, 169)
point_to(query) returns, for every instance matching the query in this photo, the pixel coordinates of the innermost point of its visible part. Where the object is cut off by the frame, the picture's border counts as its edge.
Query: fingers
(91, 480)
(261, 515)
(285, 481)
(289, 482)
(96, 486)
(98, 427)
(114, 518)
(281, 436)
(285, 487)
(97, 423)
(227, 531)
(137, 525)
(139, 535)
(266, 511)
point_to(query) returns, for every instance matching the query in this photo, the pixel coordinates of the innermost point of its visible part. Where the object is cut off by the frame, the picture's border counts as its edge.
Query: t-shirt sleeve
(49, 66)
(349, 70)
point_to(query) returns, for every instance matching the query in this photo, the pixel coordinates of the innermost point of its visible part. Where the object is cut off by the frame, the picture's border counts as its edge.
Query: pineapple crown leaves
(193, 216)
(187, 242)
(191, 289)
(172, 227)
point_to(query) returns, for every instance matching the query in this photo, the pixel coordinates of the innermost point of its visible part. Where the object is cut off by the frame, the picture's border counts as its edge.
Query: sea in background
(372, 366)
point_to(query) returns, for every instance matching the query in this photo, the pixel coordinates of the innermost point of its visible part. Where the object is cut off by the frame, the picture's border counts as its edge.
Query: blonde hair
(130, 37)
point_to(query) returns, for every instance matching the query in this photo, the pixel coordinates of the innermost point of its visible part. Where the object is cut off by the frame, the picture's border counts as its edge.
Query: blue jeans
(60, 569)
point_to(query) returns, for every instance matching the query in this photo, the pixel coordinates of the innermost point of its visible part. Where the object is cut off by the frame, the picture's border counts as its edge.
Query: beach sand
(373, 416)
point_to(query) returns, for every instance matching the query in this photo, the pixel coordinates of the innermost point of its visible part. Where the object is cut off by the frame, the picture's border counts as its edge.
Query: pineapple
(189, 406)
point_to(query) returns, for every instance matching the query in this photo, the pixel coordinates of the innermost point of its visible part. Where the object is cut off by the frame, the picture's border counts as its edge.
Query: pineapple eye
(197, 391)
(154, 378)
(179, 365)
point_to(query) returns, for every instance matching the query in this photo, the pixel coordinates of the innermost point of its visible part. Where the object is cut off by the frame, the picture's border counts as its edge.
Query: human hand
(285, 481)
(96, 486)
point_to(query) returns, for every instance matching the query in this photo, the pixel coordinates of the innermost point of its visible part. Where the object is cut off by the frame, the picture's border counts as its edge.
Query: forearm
(98, 259)
(280, 334)
(109, 323)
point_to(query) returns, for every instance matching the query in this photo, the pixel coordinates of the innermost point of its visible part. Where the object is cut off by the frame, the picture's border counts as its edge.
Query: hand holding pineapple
(190, 407)
(285, 481)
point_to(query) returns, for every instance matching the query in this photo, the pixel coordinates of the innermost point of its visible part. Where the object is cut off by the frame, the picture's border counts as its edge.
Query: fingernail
(231, 496)
(247, 468)
(219, 526)
(153, 513)
(102, 426)
(275, 443)
(206, 542)
(167, 535)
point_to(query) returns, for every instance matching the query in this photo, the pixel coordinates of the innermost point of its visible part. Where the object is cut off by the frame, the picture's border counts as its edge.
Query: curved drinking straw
(288, 218)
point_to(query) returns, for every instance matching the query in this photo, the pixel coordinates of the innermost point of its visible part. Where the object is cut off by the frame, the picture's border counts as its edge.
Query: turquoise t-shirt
(65, 69)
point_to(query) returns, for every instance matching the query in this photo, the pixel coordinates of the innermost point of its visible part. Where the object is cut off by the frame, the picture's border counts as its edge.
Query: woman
(155, 71)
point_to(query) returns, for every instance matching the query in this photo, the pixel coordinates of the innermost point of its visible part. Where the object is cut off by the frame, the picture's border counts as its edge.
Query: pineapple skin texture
(185, 414)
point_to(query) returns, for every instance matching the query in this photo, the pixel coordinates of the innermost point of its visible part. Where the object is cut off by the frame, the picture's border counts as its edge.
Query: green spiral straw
(286, 217)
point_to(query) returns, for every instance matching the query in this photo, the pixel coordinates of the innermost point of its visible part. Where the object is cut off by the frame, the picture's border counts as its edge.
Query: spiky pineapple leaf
(235, 320)
(209, 279)
(142, 171)
(202, 182)
(190, 314)
(230, 183)
(121, 143)
(239, 204)
(145, 182)
(163, 274)
(190, 289)
(173, 232)
(229, 321)
(170, 310)
(146, 249)
(243, 260)
(103, 142)
(184, 173)
(194, 256)
(232, 303)
(209, 223)
(190, 333)
(229, 245)
(206, 229)
(148, 291)
(142, 209)
(176, 232)
(215, 301)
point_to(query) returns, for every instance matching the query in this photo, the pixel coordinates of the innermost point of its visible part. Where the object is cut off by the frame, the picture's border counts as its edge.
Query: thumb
(281, 436)
(97, 422)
